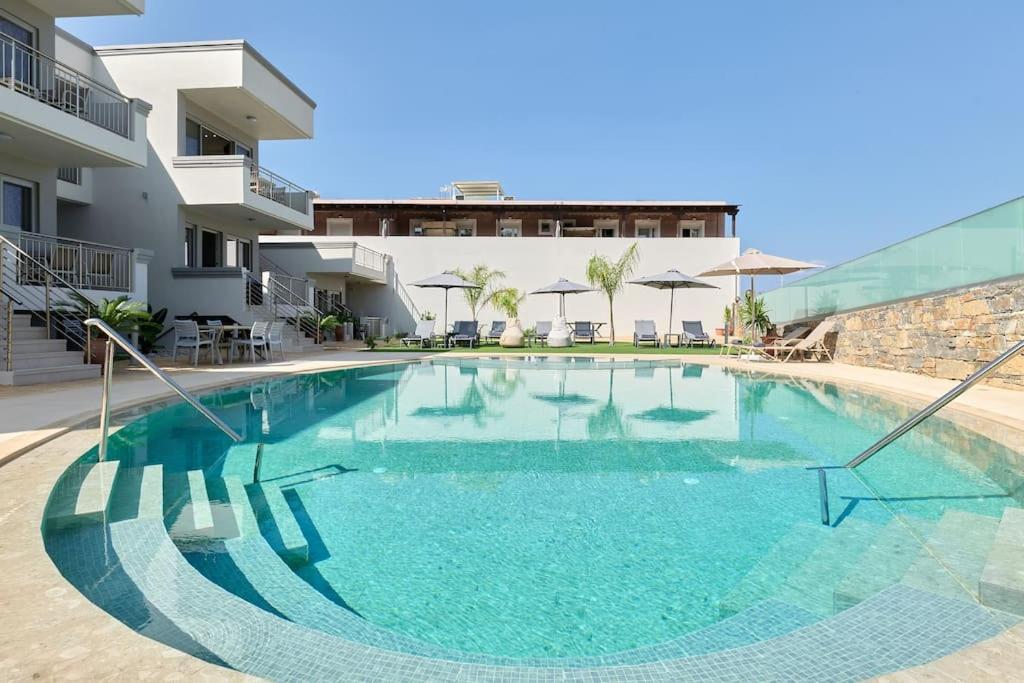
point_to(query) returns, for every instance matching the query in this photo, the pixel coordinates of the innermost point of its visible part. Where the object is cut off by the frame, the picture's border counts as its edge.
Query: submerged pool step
(240, 504)
(813, 583)
(1002, 579)
(277, 522)
(139, 493)
(883, 563)
(83, 494)
(206, 513)
(961, 541)
(773, 568)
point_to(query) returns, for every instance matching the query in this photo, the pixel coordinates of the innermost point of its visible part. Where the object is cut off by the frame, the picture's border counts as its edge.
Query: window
(339, 227)
(546, 227)
(606, 227)
(19, 206)
(18, 62)
(202, 140)
(211, 249)
(648, 228)
(238, 253)
(509, 227)
(190, 246)
(691, 228)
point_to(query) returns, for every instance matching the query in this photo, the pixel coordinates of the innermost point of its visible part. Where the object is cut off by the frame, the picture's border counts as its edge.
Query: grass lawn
(599, 347)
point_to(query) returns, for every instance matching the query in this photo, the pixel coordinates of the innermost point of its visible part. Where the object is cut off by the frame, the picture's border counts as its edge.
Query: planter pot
(339, 333)
(513, 336)
(348, 331)
(97, 350)
(560, 334)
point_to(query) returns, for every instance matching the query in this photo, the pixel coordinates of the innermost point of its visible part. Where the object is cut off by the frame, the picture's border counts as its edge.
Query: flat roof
(526, 203)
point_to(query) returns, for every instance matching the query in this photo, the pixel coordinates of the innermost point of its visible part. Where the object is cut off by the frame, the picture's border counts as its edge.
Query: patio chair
(497, 329)
(257, 340)
(275, 339)
(645, 331)
(540, 334)
(423, 335)
(787, 340)
(693, 333)
(811, 345)
(583, 329)
(188, 337)
(466, 331)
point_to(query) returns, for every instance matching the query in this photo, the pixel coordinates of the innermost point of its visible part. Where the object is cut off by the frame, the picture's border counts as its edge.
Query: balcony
(235, 188)
(320, 258)
(58, 116)
(89, 8)
(82, 265)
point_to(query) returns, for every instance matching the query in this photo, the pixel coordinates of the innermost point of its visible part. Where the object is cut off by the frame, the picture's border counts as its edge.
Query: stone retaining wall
(948, 336)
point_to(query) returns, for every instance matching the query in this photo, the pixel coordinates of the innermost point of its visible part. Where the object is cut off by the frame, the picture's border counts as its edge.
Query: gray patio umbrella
(563, 287)
(752, 262)
(446, 280)
(672, 280)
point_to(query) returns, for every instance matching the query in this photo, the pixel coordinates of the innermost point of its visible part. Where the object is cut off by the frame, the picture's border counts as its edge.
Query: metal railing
(29, 72)
(70, 174)
(912, 422)
(115, 339)
(368, 258)
(83, 265)
(278, 298)
(268, 184)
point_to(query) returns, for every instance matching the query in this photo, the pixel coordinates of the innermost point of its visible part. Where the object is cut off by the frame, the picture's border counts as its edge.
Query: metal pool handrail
(108, 373)
(938, 404)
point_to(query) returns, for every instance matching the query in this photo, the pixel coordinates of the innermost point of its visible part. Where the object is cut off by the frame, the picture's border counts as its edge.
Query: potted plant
(345, 330)
(122, 314)
(726, 330)
(507, 301)
(151, 329)
(329, 324)
(754, 315)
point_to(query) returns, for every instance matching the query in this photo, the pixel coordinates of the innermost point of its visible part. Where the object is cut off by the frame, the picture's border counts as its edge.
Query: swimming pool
(545, 514)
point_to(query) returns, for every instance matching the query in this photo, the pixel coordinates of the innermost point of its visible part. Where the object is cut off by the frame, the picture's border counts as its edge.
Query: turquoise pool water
(567, 509)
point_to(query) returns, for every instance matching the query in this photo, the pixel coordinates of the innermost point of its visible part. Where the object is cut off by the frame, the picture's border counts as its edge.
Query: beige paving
(48, 631)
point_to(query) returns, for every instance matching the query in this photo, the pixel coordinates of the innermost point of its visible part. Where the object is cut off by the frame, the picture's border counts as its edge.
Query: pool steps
(961, 540)
(83, 494)
(262, 644)
(278, 515)
(1002, 579)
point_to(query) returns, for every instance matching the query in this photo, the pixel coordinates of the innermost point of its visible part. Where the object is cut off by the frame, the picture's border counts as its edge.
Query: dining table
(217, 333)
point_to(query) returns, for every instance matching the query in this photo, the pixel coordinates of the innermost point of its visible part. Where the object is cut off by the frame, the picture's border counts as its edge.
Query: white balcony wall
(90, 8)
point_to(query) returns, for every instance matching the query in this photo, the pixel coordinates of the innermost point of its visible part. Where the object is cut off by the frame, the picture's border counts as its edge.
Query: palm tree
(611, 278)
(485, 279)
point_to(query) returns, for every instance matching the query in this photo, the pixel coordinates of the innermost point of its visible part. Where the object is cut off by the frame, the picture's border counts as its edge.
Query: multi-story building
(371, 249)
(61, 119)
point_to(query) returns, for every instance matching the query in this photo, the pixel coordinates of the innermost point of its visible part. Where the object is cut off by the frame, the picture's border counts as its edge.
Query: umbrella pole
(444, 333)
(671, 305)
(753, 328)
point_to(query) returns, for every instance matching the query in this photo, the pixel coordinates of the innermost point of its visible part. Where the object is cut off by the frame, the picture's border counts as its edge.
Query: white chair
(257, 340)
(275, 339)
(187, 336)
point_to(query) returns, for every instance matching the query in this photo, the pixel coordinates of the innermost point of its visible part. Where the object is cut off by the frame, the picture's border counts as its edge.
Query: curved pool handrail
(116, 338)
(938, 404)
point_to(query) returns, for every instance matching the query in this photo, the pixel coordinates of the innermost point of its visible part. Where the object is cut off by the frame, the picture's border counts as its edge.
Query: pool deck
(48, 630)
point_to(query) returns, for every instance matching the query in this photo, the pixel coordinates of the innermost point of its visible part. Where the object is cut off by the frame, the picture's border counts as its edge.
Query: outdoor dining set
(214, 336)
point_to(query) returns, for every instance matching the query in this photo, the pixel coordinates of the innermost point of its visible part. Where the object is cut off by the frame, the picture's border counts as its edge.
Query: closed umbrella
(672, 280)
(752, 262)
(446, 280)
(563, 287)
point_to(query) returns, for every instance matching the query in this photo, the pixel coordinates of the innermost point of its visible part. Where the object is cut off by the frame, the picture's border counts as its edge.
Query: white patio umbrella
(446, 280)
(672, 280)
(563, 287)
(752, 262)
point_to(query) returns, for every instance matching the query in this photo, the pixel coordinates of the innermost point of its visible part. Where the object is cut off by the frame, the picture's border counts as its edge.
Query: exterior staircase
(35, 359)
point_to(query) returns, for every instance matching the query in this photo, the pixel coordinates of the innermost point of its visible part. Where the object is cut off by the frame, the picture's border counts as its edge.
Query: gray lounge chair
(583, 329)
(645, 331)
(540, 334)
(467, 331)
(693, 333)
(423, 336)
(497, 328)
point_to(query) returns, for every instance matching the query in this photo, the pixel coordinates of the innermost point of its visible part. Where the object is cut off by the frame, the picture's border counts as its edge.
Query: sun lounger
(497, 328)
(811, 345)
(583, 329)
(540, 335)
(693, 333)
(467, 331)
(423, 335)
(790, 338)
(645, 331)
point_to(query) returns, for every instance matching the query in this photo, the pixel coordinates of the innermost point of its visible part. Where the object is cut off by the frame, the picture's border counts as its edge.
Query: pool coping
(59, 631)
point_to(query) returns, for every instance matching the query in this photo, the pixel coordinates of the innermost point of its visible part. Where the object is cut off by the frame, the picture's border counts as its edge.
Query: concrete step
(68, 373)
(41, 345)
(812, 585)
(1002, 578)
(883, 563)
(961, 541)
(194, 521)
(83, 494)
(773, 568)
(47, 359)
(28, 333)
(278, 523)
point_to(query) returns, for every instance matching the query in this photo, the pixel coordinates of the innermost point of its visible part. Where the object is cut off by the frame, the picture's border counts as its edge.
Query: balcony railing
(70, 175)
(30, 72)
(368, 258)
(275, 188)
(83, 265)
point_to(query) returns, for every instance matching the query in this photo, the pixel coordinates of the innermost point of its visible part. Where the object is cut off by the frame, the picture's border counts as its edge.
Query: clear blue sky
(840, 127)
